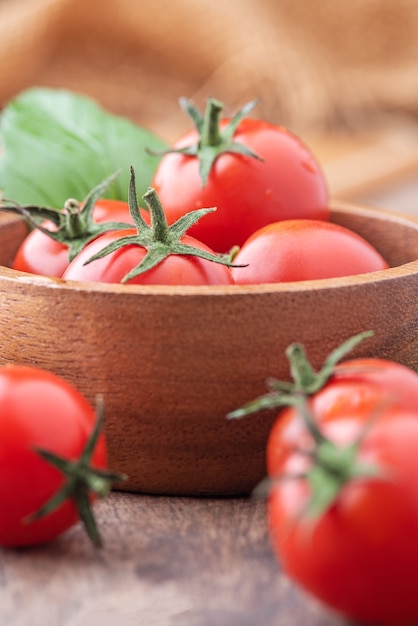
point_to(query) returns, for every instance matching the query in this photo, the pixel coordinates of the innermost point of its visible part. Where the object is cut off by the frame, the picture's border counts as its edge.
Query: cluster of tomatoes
(342, 483)
(241, 201)
(236, 201)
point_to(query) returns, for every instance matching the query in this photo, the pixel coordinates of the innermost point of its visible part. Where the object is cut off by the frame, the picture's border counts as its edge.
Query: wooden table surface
(167, 561)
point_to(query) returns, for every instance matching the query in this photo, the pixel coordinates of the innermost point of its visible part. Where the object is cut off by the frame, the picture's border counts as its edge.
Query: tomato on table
(43, 415)
(294, 250)
(253, 171)
(343, 517)
(342, 491)
(359, 387)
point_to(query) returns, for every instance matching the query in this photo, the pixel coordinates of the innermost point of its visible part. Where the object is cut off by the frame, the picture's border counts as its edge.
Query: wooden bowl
(172, 361)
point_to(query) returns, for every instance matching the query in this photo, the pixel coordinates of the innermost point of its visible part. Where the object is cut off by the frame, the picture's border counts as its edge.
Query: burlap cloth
(312, 63)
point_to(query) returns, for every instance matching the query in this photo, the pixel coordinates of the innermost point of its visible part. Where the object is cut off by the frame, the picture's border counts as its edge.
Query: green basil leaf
(55, 145)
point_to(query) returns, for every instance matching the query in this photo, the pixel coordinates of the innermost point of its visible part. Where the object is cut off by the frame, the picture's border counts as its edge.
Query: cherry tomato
(173, 270)
(295, 250)
(343, 498)
(285, 182)
(359, 554)
(358, 387)
(39, 410)
(40, 254)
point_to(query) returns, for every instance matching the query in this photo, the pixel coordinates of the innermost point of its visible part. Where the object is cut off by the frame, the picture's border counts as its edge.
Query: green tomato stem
(333, 466)
(75, 226)
(305, 380)
(81, 480)
(160, 229)
(213, 141)
(158, 239)
(211, 135)
(73, 221)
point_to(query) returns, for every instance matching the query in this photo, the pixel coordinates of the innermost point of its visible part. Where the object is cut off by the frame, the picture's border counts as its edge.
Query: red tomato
(294, 250)
(360, 554)
(248, 193)
(173, 270)
(358, 387)
(39, 410)
(40, 254)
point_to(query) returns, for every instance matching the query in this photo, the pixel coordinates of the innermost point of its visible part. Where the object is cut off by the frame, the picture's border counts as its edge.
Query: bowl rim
(407, 269)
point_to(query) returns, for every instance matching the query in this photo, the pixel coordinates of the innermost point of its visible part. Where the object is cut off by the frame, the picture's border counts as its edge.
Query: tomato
(359, 553)
(153, 253)
(175, 269)
(294, 250)
(343, 495)
(39, 410)
(278, 179)
(358, 387)
(41, 254)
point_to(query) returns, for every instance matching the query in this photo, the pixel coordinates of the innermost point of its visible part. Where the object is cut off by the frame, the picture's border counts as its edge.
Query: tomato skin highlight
(248, 193)
(173, 270)
(40, 254)
(295, 250)
(39, 410)
(361, 556)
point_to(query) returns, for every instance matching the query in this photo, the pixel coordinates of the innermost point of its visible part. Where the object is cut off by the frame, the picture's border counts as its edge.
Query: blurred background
(343, 74)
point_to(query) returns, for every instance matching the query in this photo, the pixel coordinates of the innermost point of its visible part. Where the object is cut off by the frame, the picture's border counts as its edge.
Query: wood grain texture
(165, 562)
(171, 362)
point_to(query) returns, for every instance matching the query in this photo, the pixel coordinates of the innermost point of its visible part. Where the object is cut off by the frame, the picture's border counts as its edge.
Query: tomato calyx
(74, 225)
(331, 467)
(159, 239)
(81, 481)
(213, 140)
(306, 381)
